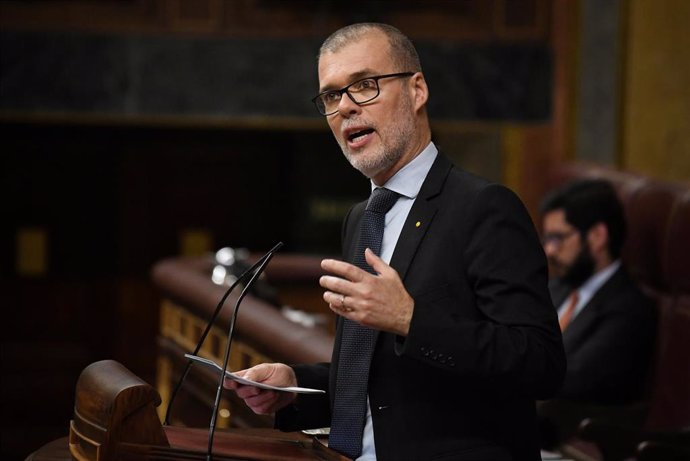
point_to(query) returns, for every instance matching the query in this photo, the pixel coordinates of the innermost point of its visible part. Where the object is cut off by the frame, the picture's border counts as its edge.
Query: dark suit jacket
(484, 341)
(609, 344)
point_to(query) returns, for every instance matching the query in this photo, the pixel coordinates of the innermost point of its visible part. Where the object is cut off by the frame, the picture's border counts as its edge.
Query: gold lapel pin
(418, 224)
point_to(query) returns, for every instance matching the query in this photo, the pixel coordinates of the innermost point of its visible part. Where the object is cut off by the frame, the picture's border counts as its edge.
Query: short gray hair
(403, 52)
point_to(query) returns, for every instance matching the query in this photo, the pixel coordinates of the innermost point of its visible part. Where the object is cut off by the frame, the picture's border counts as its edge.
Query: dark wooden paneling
(113, 200)
(126, 76)
(456, 20)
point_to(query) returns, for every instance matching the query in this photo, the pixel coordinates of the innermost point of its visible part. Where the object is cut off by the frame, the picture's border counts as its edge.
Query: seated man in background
(608, 324)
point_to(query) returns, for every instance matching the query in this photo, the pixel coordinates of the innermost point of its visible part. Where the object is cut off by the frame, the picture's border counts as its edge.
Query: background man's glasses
(557, 238)
(359, 92)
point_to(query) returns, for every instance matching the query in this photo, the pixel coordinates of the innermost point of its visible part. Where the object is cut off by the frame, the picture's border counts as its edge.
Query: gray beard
(400, 134)
(370, 167)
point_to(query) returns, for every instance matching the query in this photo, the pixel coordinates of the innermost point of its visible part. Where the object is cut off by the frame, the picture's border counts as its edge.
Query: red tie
(568, 312)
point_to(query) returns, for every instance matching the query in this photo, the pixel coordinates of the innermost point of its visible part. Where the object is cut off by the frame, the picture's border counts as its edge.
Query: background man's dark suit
(484, 341)
(609, 344)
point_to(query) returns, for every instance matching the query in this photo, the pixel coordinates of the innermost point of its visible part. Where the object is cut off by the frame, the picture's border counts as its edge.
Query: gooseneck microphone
(255, 270)
(212, 427)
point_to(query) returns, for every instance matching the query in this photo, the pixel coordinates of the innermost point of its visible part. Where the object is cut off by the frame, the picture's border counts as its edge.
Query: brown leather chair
(657, 254)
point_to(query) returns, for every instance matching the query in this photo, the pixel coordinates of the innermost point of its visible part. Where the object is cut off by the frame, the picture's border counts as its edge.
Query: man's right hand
(262, 401)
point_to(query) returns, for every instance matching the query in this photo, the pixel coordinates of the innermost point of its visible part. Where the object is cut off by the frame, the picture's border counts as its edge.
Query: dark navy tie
(357, 342)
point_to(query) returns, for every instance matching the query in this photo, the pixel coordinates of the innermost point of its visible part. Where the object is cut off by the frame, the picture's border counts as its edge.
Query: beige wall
(656, 89)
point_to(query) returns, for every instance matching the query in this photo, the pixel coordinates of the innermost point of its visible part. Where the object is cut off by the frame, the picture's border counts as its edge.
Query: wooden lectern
(115, 419)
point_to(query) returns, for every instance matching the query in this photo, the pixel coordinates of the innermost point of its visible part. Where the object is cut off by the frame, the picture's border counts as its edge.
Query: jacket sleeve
(497, 326)
(309, 411)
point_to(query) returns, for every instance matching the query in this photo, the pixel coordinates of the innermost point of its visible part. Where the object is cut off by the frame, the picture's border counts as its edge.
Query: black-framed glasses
(360, 92)
(557, 238)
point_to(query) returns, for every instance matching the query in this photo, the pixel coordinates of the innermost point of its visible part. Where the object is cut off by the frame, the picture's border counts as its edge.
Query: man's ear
(598, 238)
(421, 90)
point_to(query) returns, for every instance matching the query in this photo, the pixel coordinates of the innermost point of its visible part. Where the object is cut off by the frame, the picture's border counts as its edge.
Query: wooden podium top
(234, 444)
(115, 420)
(57, 450)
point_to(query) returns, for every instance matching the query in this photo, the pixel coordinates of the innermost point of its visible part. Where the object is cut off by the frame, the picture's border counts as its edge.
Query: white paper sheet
(248, 382)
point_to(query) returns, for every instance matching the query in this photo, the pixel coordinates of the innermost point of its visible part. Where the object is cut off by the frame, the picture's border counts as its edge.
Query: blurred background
(136, 130)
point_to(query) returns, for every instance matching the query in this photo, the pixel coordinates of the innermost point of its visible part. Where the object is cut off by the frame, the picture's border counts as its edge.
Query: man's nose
(347, 107)
(549, 248)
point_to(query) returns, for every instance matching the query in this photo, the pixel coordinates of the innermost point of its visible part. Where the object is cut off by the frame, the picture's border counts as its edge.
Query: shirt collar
(408, 180)
(587, 290)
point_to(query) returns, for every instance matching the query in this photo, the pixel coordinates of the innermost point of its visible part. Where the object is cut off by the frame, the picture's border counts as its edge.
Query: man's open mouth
(353, 137)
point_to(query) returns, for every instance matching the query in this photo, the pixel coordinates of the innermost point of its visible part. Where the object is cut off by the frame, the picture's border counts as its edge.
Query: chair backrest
(671, 393)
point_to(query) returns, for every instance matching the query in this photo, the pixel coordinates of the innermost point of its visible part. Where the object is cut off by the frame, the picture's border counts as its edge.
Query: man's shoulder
(558, 291)
(458, 178)
(621, 289)
(460, 175)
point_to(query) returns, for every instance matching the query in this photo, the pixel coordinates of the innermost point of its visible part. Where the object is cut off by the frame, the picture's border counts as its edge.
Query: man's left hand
(377, 301)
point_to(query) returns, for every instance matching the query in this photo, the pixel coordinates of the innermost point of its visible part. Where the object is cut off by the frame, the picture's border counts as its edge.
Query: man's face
(377, 137)
(569, 256)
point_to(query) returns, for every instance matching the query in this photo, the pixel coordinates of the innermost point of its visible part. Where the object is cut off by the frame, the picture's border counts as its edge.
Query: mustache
(554, 262)
(358, 122)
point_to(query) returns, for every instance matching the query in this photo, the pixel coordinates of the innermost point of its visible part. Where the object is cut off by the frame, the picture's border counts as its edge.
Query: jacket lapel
(590, 314)
(421, 216)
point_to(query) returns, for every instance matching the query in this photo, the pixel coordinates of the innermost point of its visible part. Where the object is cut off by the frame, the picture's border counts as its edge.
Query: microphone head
(221, 276)
(228, 256)
(231, 263)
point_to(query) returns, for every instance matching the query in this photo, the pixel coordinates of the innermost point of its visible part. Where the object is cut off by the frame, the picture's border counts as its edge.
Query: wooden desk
(236, 444)
(57, 450)
(262, 334)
